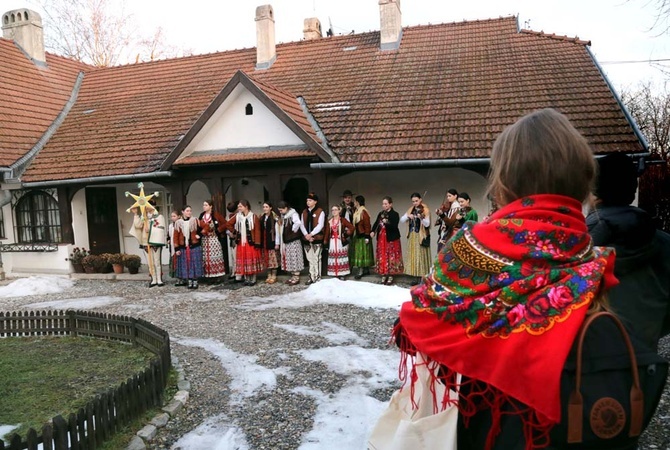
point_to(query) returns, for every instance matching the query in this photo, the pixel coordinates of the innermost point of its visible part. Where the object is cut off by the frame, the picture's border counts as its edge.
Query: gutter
(92, 180)
(626, 113)
(402, 164)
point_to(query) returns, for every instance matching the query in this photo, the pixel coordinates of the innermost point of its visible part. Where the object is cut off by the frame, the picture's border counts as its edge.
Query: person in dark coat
(389, 252)
(642, 298)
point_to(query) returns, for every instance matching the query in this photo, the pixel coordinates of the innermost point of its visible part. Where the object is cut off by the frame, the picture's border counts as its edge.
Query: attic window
(249, 110)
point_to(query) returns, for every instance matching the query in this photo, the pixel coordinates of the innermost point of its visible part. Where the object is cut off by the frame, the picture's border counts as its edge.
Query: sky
(352, 408)
(620, 30)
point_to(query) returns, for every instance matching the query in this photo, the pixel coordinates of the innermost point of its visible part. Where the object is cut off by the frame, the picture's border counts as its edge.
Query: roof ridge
(557, 37)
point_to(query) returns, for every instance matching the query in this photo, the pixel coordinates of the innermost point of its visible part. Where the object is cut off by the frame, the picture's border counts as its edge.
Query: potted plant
(104, 266)
(116, 260)
(76, 257)
(90, 263)
(132, 262)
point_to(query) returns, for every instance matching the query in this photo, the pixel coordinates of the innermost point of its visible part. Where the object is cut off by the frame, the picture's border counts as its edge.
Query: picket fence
(105, 414)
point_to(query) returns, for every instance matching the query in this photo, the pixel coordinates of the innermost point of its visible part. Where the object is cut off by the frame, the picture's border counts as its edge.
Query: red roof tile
(210, 158)
(31, 98)
(445, 93)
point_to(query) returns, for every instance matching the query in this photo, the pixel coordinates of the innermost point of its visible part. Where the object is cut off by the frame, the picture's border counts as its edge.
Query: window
(37, 218)
(249, 110)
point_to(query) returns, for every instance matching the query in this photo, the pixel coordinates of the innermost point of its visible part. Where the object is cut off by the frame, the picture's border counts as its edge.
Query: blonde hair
(542, 153)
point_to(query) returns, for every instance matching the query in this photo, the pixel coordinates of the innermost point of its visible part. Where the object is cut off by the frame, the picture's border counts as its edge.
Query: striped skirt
(418, 258)
(212, 255)
(189, 264)
(338, 259)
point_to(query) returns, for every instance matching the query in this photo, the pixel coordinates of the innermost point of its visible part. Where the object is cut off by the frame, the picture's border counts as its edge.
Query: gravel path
(279, 418)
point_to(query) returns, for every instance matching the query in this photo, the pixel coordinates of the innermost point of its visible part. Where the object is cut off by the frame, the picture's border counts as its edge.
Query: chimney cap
(21, 16)
(264, 12)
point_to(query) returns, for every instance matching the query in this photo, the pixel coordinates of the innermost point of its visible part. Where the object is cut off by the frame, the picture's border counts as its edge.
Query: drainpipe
(99, 180)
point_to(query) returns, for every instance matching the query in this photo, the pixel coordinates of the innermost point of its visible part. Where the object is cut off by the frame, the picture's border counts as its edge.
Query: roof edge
(94, 180)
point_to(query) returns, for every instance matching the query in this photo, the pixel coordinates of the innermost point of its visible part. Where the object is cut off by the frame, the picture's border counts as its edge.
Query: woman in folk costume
(188, 250)
(446, 217)
(418, 238)
(389, 252)
(174, 216)
(270, 241)
(213, 226)
(290, 246)
(363, 255)
(508, 296)
(465, 212)
(149, 230)
(336, 236)
(247, 227)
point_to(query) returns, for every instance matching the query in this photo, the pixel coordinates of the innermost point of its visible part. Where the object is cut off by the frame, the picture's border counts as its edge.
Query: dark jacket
(642, 299)
(392, 231)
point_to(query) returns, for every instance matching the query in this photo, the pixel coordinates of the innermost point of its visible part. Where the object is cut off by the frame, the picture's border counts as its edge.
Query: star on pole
(141, 200)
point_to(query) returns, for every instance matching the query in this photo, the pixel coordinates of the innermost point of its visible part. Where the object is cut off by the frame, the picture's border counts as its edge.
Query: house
(401, 110)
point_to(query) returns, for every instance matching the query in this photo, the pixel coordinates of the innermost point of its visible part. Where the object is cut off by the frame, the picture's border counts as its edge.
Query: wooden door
(103, 220)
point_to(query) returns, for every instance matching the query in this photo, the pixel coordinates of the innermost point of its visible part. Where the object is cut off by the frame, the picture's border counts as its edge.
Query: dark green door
(103, 220)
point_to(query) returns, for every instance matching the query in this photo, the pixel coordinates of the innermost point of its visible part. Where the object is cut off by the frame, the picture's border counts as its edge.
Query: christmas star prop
(141, 201)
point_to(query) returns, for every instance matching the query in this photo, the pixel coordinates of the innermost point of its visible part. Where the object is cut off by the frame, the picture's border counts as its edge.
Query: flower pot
(89, 269)
(107, 268)
(78, 267)
(133, 270)
(118, 268)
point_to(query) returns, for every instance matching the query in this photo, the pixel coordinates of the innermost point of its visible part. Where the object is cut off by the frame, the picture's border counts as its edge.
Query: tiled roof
(31, 97)
(446, 93)
(246, 156)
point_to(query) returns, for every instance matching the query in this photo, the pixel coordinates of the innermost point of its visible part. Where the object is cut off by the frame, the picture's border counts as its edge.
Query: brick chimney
(24, 27)
(266, 51)
(391, 27)
(312, 29)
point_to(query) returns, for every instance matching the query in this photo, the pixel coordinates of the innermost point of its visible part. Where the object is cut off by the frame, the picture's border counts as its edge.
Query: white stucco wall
(231, 128)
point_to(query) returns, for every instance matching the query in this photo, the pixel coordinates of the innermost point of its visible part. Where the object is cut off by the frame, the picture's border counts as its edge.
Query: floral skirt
(249, 260)
(270, 258)
(189, 264)
(363, 254)
(389, 255)
(338, 259)
(418, 257)
(212, 255)
(292, 257)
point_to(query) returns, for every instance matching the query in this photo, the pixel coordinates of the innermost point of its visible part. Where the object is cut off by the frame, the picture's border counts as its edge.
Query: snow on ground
(202, 297)
(330, 331)
(24, 287)
(76, 303)
(215, 433)
(335, 292)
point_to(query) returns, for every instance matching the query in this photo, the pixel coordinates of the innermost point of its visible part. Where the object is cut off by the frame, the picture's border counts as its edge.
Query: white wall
(230, 127)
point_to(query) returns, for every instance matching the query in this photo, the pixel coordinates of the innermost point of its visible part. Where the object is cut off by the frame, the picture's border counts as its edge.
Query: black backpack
(620, 384)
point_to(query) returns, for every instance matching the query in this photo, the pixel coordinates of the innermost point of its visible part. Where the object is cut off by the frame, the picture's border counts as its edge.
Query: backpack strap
(576, 401)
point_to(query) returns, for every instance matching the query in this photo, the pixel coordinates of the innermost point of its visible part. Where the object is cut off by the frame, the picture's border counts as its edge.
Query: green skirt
(363, 254)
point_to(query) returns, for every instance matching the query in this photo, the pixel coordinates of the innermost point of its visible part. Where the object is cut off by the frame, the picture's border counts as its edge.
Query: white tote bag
(401, 427)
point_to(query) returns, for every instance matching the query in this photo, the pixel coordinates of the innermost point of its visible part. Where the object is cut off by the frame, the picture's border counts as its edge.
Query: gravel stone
(271, 419)
(160, 420)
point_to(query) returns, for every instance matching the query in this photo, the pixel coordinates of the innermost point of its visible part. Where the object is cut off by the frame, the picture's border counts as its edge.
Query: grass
(43, 377)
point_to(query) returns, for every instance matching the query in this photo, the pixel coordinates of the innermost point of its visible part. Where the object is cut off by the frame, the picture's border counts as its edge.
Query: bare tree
(650, 107)
(100, 32)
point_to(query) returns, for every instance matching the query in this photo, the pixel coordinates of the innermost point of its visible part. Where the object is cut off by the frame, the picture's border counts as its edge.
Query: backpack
(610, 387)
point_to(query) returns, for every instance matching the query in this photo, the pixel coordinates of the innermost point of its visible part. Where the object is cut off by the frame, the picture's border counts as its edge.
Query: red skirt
(249, 260)
(389, 255)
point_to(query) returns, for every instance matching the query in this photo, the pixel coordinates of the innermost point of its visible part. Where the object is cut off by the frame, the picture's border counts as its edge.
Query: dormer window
(249, 110)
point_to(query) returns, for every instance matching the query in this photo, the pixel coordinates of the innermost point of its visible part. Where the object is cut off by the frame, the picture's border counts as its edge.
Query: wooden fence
(106, 413)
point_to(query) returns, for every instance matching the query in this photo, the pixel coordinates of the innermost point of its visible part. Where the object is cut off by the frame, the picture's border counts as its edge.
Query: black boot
(190, 284)
(195, 284)
(359, 273)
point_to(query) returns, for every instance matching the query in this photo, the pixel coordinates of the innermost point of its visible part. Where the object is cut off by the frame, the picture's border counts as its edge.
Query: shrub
(93, 261)
(132, 261)
(77, 255)
(114, 258)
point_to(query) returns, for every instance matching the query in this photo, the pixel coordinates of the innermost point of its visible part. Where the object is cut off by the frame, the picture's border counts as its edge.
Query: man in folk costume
(313, 221)
(150, 232)
(418, 237)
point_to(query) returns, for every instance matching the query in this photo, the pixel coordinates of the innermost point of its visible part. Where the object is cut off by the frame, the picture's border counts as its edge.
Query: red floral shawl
(503, 305)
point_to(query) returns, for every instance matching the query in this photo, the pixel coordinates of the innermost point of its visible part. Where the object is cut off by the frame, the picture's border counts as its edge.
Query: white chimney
(24, 27)
(312, 29)
(266, 52)
(391, 27)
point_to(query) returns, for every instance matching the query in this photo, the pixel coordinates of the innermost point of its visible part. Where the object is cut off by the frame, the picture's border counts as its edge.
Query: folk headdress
(503, 306)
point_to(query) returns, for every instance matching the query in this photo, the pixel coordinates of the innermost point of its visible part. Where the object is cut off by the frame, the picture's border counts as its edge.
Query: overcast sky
(620, 30)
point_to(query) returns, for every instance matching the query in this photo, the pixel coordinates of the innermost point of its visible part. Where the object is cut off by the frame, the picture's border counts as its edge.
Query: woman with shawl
(247, 228)
(337, 233)
(418, 238)
(187, 247)
(389, 252)
(507, 297)
(363, 255)
(172, 271)
(213, 226)
(270, 241)
(290, 246)
(446, 217)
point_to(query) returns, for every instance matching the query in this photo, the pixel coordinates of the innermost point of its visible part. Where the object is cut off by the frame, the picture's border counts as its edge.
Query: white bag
(402, 428)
